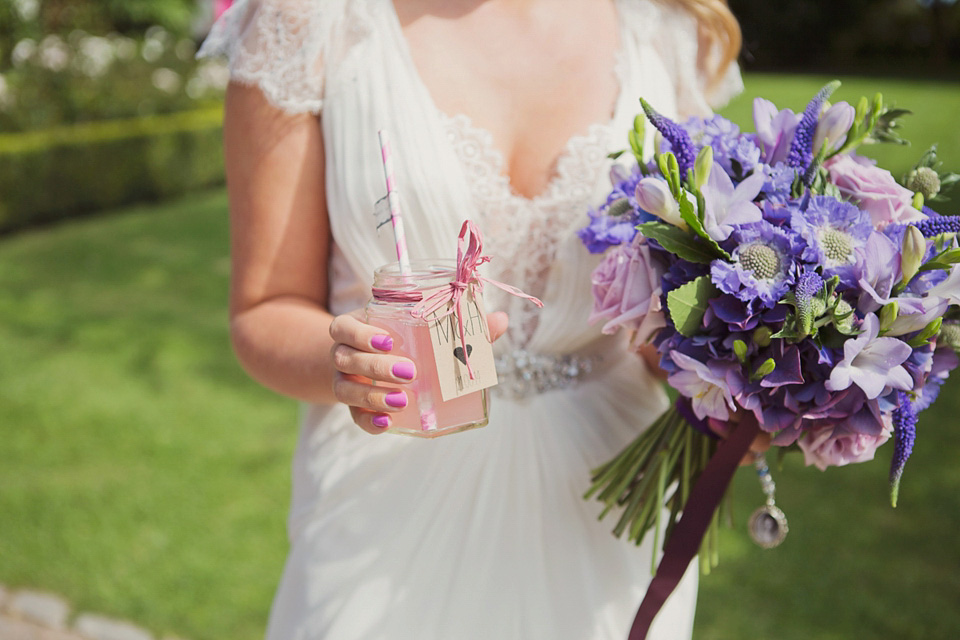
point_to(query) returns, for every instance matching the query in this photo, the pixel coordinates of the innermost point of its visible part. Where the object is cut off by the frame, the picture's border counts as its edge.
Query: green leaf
(689, 215)
(681, 243)
(933, 265)
(688, 303)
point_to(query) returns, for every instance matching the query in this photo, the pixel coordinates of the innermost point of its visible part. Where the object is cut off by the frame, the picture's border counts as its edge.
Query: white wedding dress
(482, 535)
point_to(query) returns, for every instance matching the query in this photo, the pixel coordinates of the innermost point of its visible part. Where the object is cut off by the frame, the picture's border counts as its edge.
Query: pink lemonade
(426, 414)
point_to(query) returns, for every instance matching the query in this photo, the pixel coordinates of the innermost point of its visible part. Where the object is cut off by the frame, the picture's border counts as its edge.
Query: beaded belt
(523, 374)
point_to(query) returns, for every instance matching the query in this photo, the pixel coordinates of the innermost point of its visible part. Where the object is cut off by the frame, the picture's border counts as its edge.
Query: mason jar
(392, 307)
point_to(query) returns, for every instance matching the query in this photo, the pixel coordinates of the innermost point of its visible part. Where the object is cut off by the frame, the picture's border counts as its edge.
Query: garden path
(34, 615)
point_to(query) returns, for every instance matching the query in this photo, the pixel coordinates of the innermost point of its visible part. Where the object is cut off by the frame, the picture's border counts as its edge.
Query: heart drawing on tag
(458, 353)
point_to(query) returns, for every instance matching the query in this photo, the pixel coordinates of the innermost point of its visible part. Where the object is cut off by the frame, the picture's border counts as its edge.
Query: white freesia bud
(653, 195)
(833, 126)
(913, 252)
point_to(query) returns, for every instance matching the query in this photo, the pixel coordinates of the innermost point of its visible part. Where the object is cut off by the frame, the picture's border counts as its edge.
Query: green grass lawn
(143, 476)
(141, 473)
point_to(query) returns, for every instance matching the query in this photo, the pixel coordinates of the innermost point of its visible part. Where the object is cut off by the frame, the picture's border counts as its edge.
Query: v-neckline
(481, 133)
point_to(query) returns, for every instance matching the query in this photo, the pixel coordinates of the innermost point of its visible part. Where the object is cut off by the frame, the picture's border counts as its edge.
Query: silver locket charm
(768, 524)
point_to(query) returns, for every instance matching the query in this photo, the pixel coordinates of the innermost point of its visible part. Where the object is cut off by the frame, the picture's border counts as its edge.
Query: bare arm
(282, 332)
(279, 245)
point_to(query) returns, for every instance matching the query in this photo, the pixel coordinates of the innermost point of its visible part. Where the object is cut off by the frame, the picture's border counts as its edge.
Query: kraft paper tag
(449, 353)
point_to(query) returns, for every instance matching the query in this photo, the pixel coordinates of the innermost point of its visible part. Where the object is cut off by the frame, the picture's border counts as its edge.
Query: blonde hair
(720, 31)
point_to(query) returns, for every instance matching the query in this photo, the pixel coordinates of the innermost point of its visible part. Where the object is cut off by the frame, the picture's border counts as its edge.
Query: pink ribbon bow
(466, 278)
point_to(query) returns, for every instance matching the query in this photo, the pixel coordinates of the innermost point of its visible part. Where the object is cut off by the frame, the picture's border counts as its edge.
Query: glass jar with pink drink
(450, 347)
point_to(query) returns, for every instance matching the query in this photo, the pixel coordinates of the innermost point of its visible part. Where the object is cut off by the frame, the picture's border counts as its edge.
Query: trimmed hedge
(68, 171)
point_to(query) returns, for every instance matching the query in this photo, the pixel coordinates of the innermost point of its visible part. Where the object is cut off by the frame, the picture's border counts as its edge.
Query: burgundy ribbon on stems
(465, 278)
(688, 533)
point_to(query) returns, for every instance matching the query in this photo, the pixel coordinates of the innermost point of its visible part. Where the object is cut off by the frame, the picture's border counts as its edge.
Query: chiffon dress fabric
(482, 535)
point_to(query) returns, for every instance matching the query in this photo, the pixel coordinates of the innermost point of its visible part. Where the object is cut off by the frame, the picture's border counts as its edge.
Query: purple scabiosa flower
(726, 205)
(801, 150)
(904, 435)
(705, 385)
(872, 363)
(834, 230)
(775, 130)
(680, 142)
(763, 265)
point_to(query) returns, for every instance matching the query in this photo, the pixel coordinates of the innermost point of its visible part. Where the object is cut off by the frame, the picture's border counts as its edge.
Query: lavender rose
(839, 446)
(875, 189)
(626, 291)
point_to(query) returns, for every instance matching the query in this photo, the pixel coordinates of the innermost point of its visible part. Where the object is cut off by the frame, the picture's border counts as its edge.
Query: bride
(503, 112)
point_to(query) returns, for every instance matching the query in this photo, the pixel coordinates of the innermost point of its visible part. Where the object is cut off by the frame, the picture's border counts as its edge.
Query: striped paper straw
(394, 201)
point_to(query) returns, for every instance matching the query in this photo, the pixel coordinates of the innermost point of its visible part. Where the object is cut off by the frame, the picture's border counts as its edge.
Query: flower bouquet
(789, 286)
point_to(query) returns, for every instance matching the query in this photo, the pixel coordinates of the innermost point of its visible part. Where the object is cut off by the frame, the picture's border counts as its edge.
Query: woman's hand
(760, 444)
(651, 357)
(368, 378)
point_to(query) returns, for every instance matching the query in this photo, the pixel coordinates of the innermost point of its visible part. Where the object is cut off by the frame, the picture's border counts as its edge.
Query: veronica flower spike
(904, 434)
(801, 151)
(872, 363)
(680, 142)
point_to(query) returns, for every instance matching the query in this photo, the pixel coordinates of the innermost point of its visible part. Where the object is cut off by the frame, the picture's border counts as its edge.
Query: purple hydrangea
(736, 152)
(779, 183)
(606, 231)
(616, 222)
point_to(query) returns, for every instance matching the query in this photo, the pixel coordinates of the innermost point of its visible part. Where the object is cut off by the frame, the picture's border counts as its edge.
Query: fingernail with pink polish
(382, 342)
(396, 399)
(404, 370)
(381, 420)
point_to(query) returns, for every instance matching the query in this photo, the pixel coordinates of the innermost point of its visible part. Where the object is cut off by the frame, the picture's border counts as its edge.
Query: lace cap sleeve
(687, 56)
(279, 46)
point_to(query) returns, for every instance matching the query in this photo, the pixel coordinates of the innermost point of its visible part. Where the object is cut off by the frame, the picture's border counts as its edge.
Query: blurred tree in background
(102, 102)
(69, 61)
(873, 36)
(33, 18)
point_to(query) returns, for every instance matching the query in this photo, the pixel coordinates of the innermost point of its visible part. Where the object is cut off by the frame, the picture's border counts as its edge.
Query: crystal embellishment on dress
(523, 374)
